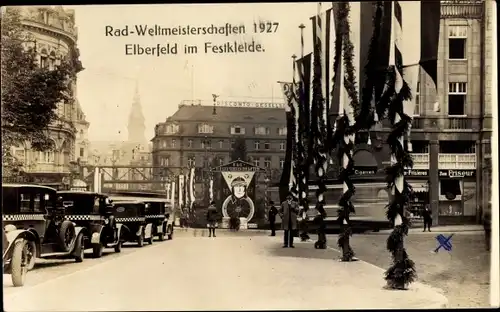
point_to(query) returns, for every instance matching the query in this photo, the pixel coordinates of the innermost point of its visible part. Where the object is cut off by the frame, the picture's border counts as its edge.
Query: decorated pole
(191, 189)
(294, 179)
(181, 193)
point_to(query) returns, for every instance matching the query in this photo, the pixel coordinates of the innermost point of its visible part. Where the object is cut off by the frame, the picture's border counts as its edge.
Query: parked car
(34, 226)
(132, 215)
(94, 211)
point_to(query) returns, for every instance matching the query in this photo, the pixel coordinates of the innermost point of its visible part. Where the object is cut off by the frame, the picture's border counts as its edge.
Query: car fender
(96, 236)
(139, 231)
(123, 229)
(159, 228)
(13, 235)
(37, 241)
(119, 229)
(149, 230)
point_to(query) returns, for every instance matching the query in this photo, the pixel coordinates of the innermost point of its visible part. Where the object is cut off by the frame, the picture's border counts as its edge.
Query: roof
(230, 114)
(124, 198)
(124, 202)
(80, 192)
(27, 185)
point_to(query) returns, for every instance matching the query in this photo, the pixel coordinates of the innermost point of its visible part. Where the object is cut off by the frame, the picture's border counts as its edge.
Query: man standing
(427, 218)
(288, 212)
(273, 211)
(211, 219)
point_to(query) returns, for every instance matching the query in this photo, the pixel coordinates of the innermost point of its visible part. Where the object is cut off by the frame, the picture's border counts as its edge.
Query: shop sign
(416, 172)
(452, 173)
(365, 171)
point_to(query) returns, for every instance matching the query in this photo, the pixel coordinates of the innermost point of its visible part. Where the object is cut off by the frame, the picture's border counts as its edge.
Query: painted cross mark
(444, 242)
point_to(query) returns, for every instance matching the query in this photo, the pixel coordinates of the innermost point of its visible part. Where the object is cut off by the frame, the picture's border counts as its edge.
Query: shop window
(450, 190)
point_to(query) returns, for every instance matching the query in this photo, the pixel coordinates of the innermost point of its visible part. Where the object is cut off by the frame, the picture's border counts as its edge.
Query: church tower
(136, 121)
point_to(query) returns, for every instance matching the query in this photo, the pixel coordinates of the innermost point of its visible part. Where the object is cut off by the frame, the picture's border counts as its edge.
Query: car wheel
(31, 254)
(151, 239)
(66, 235)
(170, 231)
(80, 247)
(97, 250)
(19, 263)
(161, 237)
(140, 240)
(118, 247)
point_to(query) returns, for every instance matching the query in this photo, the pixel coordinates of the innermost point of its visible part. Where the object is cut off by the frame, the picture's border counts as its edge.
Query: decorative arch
(364, 158)
(44, 52)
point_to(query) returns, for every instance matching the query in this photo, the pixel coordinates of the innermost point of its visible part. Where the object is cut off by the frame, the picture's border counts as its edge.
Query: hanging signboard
(416, 172)
(452, 173)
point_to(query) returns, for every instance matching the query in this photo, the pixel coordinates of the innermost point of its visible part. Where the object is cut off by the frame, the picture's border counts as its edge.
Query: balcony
(420, 160)
(457, 161)
(439, 124)
(459, 123)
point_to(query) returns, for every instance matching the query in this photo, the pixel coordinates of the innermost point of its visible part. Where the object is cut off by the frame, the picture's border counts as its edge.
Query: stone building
(198, 136)
(54, 36)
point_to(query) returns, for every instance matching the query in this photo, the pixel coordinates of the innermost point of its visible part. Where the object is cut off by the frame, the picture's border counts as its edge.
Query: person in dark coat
(273, 211)
(427, 218)
(211, 219)
(288, 211)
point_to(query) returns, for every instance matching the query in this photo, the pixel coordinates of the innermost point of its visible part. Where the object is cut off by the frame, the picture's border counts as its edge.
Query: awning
(419, 186)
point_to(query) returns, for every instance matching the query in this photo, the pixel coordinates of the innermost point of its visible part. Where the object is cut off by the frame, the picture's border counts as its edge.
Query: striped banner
(172, 193)
(191, 188)
(181, 191)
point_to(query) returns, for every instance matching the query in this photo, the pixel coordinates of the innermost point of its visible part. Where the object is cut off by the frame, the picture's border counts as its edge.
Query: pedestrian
(212, 219)
(273, 211)
(427, 218)
(288, 211)
(487, 229)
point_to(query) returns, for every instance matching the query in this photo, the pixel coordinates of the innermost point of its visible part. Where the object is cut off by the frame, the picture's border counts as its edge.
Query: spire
(136, 120)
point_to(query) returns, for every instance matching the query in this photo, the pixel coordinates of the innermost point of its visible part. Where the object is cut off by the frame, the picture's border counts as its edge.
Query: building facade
(82, 144)
(201, 136)
(53, 32)
(451, 142)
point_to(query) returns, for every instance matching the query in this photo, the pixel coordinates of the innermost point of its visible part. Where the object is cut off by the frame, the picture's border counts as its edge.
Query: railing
(461, 9)
(420, 160)
(433, 123)
(46, 168)
(459, 123)
(457, 161)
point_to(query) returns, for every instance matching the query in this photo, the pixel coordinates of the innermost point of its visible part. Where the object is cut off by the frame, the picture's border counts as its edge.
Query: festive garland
(402, 272)
(344, 131)
(295, 143)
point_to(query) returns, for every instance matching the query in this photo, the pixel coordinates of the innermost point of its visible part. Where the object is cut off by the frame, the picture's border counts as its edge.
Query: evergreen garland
(295, 142)
(345, 130)
(402, 272)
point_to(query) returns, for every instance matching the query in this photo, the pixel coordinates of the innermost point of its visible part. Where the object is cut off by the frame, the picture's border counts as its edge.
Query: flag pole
(302, 26)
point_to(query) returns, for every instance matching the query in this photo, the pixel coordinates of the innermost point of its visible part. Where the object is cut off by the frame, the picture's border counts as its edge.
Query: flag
(191, 187)
(287, 175)
(181, 191)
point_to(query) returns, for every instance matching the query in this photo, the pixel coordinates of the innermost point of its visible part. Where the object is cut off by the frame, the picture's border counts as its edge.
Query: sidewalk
(464, 229)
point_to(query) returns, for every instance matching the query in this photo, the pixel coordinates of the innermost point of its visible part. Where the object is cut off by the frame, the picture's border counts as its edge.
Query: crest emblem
(120, 209)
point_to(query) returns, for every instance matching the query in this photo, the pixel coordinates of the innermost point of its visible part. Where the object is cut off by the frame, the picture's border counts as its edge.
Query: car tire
(151, 239)
(80, 247)
(118, 247)
(97, 250)
(161, 237)
(18, 263)
(31, 246)
(170, 231)
(140, 240)
(66, 235)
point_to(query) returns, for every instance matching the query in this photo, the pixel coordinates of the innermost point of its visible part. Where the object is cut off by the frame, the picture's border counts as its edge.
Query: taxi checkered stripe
(83, 217)
(23, 217)
(130, 219)
(155, 216)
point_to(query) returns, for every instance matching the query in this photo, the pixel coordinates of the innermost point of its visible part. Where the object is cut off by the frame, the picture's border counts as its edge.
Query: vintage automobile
(94, 211)
(34, 226)
(132, 215)
(159, 212)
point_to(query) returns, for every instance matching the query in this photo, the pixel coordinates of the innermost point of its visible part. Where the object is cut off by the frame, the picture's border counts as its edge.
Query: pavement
(230, 272)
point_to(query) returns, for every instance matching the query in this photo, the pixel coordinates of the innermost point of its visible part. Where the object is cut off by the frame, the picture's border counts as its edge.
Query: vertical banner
(191, 188)
(167, 190)
(172, 193)
(181, 191)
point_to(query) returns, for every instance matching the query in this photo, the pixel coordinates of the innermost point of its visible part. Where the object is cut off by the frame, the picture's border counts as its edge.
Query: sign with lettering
(250, 104)
(365, 171)
(416, 172)
(238, 166)
(452, 173)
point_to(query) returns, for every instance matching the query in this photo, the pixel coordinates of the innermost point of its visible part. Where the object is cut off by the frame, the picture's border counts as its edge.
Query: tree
(239, 150)
(30, 94)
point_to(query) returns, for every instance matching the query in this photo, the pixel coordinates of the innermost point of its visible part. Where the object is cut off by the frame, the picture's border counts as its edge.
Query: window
(165, 161)
(457, 42)
(282, 131)
(282, 146)
(82, 152)
(256, 162)
(174, 142)
(256, 145)
(202, 144)
(25, 203)
(262, 130)
(237, 130)
(164, 143)
(232, 143)
(205, 128)
(44, 61)
(221, 144)
(267, 145)
(191, 161)
(190, 143)
(171, 128)
(282, 163)
(267, 162)
(37, 205)
(46, 157)
(221, 161)
(20, 154)
(457, 92)
(416, 112)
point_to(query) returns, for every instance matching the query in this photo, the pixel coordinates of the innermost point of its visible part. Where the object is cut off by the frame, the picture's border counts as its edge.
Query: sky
(106, 87)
